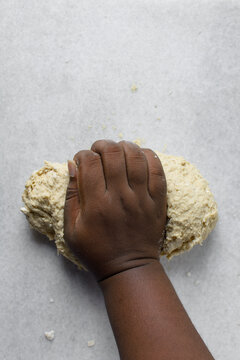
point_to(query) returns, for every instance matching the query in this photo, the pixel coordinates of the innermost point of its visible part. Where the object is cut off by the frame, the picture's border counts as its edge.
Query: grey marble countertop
(66, 72)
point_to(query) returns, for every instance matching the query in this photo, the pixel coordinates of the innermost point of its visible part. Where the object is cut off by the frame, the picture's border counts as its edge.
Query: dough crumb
(134, 88)
(91, 343)
(120, 135)
(50, 335)
(51, 300)
(189, 274)
(197, 282)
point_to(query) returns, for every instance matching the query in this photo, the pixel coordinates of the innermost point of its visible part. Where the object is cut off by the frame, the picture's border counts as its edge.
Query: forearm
(148, 319)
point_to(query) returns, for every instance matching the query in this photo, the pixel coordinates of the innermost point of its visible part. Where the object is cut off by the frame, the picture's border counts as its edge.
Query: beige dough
(192, 210)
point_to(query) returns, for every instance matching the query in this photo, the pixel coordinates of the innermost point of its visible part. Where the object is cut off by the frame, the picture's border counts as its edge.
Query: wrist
(133, 259)
(140, 270)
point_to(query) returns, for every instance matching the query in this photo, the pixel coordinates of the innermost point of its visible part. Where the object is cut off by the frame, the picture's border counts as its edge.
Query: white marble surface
(69, 65)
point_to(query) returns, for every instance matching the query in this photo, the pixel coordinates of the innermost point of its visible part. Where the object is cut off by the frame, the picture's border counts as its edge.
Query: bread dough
(192, 210)
(50, 335)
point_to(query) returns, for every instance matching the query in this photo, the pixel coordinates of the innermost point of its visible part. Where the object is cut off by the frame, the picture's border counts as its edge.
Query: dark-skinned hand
(115, 210)
(114, 221)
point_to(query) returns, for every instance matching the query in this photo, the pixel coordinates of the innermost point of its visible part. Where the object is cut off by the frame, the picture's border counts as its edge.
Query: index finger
(157, 185)
(91, 182)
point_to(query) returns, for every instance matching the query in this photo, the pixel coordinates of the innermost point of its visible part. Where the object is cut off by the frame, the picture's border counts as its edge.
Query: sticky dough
(192, 210)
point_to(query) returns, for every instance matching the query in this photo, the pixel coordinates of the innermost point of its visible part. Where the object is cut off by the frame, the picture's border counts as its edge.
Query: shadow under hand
(82, 279)
(71, 269)
(75, 276)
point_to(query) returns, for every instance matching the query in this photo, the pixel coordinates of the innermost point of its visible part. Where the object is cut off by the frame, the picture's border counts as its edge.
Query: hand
(115, 210)
(114, 221)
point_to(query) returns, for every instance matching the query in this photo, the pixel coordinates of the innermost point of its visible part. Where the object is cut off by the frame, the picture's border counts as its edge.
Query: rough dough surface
(192, 210)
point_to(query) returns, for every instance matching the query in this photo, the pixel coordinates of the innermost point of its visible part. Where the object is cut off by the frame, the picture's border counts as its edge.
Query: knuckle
(137, 156)
(101, 145)
(123, 142)
(86, 156)
(147, 150)
(91, 157)
(157, 171)
(71, 193)
(79, 156)
(97, 144)
(127, 144)
(112, 148)
(131, 146)
(150, 153)
(133, 151)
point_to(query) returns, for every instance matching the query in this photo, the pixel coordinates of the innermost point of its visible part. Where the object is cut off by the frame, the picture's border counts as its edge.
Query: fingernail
(72, 168)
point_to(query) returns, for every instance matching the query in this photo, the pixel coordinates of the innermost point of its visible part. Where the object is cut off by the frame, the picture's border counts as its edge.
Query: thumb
(72, 204)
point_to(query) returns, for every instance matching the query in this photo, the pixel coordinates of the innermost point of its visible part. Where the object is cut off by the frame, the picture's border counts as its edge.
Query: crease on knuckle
(110, 150)
(71, 193)
(90, 160)
(157, 171)
(138, 156)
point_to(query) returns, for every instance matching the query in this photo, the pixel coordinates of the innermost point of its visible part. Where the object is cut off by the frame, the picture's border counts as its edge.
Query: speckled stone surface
(67, 74)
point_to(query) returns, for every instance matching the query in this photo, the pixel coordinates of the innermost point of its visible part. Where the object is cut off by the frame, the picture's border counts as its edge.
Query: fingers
(91, 182)
(157, 185)
(113, 161)
(72, 204)
(118, 165)
(136, 165)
